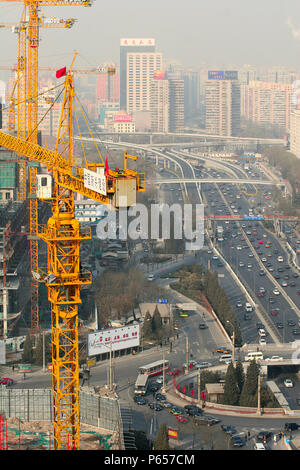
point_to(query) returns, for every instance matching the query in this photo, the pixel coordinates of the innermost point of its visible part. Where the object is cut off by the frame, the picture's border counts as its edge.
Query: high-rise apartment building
(191, 93)
(268, 103)
(176, 106)
(222, 97)
(108, 87)
(140, 74)
(131, 45)
(160, 103)
(295, 132)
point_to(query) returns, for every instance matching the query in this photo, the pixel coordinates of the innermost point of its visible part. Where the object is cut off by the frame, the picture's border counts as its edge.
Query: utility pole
(187, 355)
(258, 395)
(199, 388)
(164, 374)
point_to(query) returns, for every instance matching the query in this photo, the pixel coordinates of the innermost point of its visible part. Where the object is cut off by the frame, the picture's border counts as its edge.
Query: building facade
(295, 132)
(176, 105)
(160, 105)
(140, 74)
(222, 99)
(131, 45)
(268, 103)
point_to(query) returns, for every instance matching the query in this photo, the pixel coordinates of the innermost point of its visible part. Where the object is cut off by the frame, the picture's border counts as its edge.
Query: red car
(261, 294)
(274, 313)
(6, 381)
(181, 419)
(260, 242)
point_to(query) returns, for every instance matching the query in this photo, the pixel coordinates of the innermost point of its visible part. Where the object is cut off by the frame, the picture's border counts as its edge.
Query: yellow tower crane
(32, 130)
(63, 234)
(20, 85)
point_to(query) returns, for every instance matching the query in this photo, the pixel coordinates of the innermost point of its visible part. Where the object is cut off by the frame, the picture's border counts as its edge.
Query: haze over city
(193, 33)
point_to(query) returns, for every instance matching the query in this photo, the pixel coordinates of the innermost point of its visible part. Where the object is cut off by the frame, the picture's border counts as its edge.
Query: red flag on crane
(61, 72)
(106, 172)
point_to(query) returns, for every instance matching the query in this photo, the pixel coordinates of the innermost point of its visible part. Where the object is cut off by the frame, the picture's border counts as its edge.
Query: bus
(141, 385)
(155, 368)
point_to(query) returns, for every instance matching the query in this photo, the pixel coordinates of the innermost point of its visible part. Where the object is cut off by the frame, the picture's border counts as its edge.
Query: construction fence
(36, 405)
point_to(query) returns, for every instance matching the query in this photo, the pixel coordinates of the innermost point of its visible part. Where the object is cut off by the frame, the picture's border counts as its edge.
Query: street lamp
(232, 339)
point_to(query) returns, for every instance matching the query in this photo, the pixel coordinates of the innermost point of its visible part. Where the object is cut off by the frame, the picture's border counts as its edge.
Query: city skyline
(191, 36)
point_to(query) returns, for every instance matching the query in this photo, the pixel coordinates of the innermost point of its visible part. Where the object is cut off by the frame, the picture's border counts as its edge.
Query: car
(238, 441)
(272, 300)
(166, 404)
(291, 426)
(6, 381)
(276, 291)
(222, 350)
(247, 316)
(181, 419)
(160, 397)
(202, 365)
(159, 380)
(291, 323)
(211, 420)
(259, 446)
(279, 325)
(174, 410)
(264, 436)
(239, 304)
(274, 312)
(155, 406)
(298, 401)
(284, 284)
(262, 272)
(202, 326)
(296, 331)
(151, 277)
(154, 387)
(262, 341)
(274, 358)
(228, 429)
(140, 400)
(288, 383)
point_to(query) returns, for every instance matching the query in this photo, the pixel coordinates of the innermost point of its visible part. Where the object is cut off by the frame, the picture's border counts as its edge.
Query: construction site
(43, 186)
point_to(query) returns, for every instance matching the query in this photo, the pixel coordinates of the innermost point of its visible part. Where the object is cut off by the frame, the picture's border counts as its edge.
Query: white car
(151, 277)
(274, 358)
(262, 341)
(280, 259)
(259, 446)
(159, 380)
(288, 383)
(239, 247)
(276, 292)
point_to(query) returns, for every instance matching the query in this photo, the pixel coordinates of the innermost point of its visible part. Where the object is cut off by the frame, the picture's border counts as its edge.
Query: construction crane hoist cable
(63, 234)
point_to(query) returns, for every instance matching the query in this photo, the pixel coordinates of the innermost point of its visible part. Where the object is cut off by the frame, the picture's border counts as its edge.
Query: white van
(248, 307)
(256, 355)
(226, 358)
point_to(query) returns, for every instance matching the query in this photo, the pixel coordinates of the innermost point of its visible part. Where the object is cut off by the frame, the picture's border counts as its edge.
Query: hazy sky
(194, 32)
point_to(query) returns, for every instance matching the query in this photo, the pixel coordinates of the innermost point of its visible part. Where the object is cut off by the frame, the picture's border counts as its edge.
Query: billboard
(94, 181)
(137, 42)
(122, 118)
(159, 75)
(113, 339)
(222, 75)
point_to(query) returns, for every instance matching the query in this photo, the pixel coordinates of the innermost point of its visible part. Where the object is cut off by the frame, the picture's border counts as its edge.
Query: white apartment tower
(140, 73)
(160, 105)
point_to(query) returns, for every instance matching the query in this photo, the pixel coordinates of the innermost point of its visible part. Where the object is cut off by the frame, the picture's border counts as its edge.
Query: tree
(27, 355)
(141, 441)
(156, 322)
(147, 326)
(39, 353)
(249, 391)
(240, 374)
(162, 439)
(231, 388)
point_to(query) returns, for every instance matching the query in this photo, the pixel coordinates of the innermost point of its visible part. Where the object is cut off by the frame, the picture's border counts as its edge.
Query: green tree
(156, 322)
(27, 354)
(249, 391)
(147, 326)
(231, 388)
(162, 439)
(240, 374)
